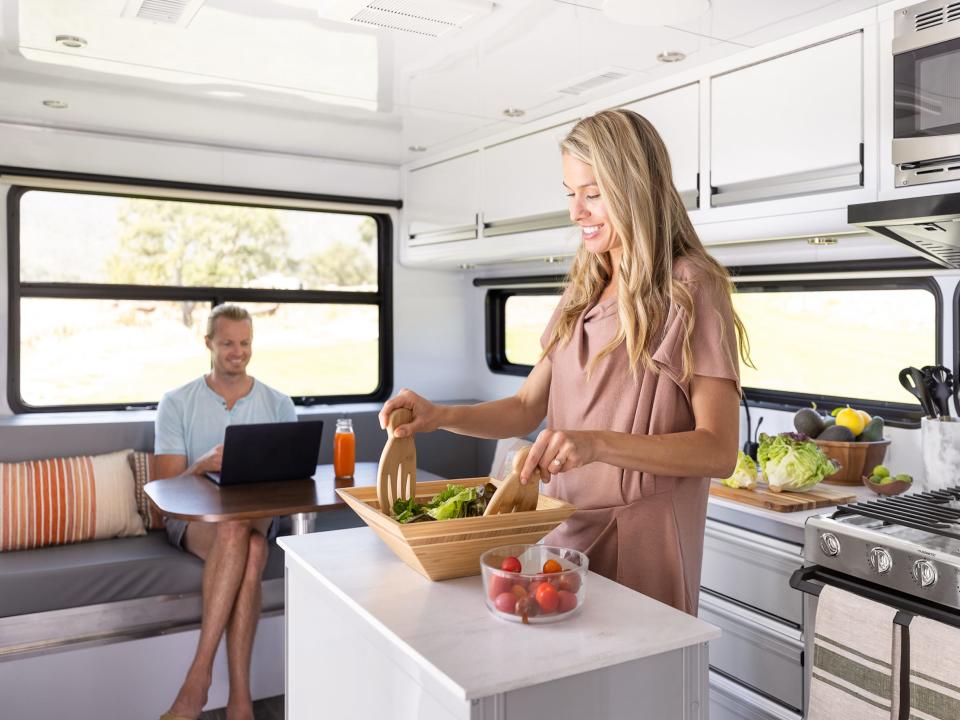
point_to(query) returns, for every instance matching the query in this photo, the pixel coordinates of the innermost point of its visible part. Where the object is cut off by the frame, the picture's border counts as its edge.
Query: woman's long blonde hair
(632, 169)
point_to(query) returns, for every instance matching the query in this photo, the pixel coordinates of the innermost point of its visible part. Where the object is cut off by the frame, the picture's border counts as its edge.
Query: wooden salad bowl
(444, 549)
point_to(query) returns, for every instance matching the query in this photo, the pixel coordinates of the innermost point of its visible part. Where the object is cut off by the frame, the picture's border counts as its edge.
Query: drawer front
(757, 651)
(752, 569)
(730, 700)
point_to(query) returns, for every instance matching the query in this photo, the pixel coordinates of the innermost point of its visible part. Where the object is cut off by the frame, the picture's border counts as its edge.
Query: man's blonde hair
(231, 312)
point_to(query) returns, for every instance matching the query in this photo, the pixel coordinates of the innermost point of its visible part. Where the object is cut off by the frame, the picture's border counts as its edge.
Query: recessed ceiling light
(226, 93)
(671, 57)
(417, 148)
(514, 112)
(71, 41)
(56, 104)
(822, 240)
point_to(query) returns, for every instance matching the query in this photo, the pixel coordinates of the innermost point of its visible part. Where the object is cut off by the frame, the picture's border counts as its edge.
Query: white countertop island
(368, 637)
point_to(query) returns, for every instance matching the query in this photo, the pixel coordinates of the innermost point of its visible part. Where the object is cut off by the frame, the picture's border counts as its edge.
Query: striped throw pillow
(143, 465)
(67, 500)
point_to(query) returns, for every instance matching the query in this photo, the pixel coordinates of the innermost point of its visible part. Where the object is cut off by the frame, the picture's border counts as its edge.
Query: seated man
(190, 426)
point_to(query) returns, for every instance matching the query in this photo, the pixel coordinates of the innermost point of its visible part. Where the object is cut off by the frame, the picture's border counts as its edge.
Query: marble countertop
(447, 631)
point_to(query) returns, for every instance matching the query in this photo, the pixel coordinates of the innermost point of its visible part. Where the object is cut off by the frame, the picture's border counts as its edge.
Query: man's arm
(169, 466)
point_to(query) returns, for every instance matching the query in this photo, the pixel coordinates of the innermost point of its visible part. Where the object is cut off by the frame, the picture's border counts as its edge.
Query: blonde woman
(639, 376)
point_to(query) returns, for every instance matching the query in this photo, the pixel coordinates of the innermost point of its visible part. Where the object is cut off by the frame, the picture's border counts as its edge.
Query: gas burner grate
(927, 511)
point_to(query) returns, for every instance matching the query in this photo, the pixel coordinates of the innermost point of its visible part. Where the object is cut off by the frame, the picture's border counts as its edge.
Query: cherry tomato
(570, 582)
(510, 564)
(505, 602)
(552, 566)
(534, 584)
(566, 601)
(519, 591)
(547, 598)
(499, 584)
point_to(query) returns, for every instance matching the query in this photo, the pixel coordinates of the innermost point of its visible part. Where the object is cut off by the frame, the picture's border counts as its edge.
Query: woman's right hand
(426, 415)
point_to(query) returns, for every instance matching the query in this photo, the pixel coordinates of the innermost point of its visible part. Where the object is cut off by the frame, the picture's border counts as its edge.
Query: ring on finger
(557, 461)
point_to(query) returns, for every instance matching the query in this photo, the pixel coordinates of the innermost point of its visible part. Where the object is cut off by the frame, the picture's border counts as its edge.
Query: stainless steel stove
(909, 544)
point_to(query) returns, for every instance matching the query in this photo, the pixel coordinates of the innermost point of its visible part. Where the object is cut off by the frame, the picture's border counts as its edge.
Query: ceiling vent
(168, 12)
(593, 81)
(431, 18)
(938, 16)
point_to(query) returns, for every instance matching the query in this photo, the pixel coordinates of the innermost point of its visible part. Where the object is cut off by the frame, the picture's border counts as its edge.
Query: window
(839, 341)
(827, 341)
(515, 321)
(111, 287)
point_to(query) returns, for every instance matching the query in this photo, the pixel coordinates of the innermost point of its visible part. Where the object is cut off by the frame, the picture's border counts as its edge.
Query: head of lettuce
(792, 462)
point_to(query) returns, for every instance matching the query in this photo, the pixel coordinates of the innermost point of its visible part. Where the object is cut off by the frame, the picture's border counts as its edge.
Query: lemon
(865, 415)
(852, 420)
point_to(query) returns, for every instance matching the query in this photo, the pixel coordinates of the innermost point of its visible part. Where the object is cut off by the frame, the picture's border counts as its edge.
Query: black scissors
(915, 382)
(940, 388)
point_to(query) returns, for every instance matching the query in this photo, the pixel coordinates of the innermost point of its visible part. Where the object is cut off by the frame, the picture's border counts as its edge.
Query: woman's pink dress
(642, 530)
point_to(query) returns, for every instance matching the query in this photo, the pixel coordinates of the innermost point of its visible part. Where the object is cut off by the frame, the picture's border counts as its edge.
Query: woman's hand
(426, 415)
(557, 451)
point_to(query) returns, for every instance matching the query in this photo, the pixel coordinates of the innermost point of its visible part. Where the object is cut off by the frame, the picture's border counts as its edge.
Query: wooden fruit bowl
(894, 488)
(446, 549)
(856, 459)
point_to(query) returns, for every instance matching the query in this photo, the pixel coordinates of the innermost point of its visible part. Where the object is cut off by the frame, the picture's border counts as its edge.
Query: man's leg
(243, 625)
(224, 548)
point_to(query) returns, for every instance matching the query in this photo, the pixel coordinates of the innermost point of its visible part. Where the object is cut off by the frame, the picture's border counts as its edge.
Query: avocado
(808, 422)
(829, 422)
(873, 430)
(836, 433)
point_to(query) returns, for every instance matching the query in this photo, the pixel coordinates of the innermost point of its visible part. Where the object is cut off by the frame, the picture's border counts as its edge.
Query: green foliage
(191, 244)
(340, 265)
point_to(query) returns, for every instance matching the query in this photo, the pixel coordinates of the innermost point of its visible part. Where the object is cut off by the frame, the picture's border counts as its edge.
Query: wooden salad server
(397, 471)
(512, 496)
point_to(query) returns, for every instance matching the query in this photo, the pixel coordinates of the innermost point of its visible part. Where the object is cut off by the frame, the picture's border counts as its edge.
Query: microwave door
(926, 112)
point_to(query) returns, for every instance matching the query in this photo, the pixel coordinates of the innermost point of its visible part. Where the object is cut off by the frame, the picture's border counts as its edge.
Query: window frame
(496, 327)
(382, 298)
(896, 414)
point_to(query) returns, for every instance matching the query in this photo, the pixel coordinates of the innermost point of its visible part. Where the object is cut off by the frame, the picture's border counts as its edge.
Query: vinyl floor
(266, 709)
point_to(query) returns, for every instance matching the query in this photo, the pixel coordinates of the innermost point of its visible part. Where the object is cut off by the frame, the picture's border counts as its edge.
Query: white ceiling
(301, 84)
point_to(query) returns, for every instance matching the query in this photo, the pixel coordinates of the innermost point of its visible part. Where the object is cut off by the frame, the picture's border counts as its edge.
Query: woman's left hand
(557, 451)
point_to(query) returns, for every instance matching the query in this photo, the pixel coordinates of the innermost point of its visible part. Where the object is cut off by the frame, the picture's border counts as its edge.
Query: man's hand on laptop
(210, 461)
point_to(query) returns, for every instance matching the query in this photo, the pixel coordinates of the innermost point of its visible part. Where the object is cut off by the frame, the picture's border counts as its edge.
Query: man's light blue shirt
(192, 419)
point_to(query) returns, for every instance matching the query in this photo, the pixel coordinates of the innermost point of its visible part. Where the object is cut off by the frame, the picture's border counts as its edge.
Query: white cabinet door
(523, 182)
(442, 202)
(792, 125)
(676, 116)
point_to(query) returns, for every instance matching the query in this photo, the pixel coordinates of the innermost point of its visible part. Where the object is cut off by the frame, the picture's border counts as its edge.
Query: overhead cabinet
(522, 186)
(676, 116)
(442, 201)
(789, 126)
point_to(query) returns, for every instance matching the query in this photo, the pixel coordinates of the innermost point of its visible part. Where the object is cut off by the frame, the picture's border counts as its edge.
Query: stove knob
(880, 560)
(830, 544)
(924, 573)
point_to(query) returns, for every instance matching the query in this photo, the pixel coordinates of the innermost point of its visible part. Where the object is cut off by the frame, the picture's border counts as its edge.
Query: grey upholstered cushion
(65, 576)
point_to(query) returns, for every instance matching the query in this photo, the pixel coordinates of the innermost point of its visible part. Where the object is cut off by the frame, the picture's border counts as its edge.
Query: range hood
(930, 225)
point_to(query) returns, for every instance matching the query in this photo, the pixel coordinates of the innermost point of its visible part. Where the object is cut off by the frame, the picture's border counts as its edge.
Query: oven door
(926, 94)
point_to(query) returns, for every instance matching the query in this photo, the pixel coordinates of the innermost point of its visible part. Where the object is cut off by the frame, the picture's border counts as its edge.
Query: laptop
(269, 452)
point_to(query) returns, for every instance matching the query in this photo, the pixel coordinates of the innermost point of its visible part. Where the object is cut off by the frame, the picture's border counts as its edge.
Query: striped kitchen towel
(855, 669)
(934, 670)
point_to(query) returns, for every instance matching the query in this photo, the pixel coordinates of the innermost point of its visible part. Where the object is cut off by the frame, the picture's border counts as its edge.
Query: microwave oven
(926, 93)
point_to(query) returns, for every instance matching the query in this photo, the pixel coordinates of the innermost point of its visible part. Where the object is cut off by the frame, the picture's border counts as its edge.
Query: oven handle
(812, 578)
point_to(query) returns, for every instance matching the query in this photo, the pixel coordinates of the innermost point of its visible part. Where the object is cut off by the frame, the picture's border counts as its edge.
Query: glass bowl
(534, 594)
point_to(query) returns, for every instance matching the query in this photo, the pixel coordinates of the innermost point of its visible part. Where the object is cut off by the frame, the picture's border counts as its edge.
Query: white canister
(940, 446)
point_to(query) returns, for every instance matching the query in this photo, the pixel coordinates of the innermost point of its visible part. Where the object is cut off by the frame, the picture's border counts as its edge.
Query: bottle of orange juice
(344, 449)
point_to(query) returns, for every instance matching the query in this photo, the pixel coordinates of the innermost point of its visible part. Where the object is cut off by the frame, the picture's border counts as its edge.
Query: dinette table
(197, 498)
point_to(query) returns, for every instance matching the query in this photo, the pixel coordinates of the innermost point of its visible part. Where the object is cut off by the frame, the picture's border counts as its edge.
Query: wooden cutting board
(783, 501)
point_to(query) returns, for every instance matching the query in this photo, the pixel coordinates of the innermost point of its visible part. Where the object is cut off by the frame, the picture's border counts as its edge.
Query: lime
(881, 471)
